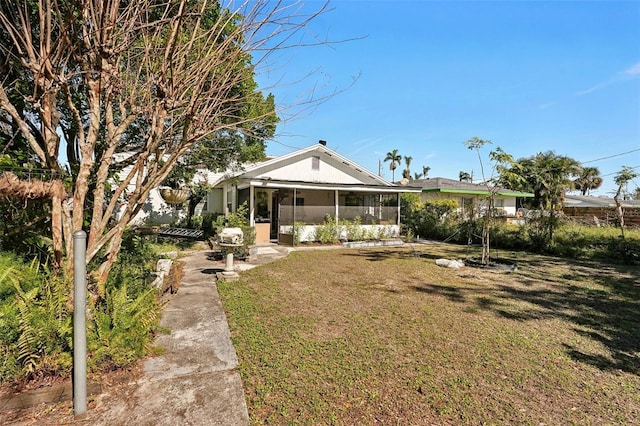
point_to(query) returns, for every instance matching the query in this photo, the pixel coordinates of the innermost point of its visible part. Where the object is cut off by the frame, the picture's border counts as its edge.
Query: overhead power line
(611, 156)
(615, 173)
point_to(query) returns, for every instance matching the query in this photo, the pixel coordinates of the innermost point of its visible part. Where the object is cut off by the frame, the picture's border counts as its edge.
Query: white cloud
(632, 71)
(547, 105)
(627, 74)
(596, 87)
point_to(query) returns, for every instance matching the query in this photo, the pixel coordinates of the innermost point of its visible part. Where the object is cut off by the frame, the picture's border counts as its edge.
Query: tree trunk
(485, 246)
(57, 235)
(619, 211)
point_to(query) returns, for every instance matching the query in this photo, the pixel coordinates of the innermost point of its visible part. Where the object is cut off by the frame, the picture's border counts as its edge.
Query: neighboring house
(471, 197)
(155, 210)
(600, 210)
(302, 187)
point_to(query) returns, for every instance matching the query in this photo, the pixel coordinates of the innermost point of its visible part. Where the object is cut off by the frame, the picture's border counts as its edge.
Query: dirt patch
(50, 401)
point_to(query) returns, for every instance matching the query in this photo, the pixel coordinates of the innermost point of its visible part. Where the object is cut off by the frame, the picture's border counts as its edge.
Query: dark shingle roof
(587, 201)
(440, 184)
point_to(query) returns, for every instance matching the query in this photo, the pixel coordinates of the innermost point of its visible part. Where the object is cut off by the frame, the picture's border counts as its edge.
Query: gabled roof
(453, 186)
(295, 167)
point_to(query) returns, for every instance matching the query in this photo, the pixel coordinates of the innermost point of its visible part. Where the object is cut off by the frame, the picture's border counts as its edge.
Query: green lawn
(379, 336)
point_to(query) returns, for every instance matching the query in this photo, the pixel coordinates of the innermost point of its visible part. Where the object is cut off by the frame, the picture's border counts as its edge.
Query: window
(315, 163)
(498, 202)
(467, 203)
(467, 206)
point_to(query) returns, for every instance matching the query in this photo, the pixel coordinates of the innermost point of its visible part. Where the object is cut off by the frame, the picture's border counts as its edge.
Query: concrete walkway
(194, 381)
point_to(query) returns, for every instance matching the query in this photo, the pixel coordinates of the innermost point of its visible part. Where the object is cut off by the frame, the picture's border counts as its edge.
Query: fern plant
(35, 324)
(45, 329)
(123, 327)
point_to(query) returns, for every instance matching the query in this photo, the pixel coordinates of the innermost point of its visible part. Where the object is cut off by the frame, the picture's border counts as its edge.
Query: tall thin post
(79, 324)
(293, 227)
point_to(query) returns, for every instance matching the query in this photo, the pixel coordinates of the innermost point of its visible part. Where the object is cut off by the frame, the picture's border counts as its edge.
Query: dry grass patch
(379, 336)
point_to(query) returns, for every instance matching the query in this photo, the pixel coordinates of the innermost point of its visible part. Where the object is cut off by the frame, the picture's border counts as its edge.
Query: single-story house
(303, 188)
(600, 210)
(299, 188)
(471, 197)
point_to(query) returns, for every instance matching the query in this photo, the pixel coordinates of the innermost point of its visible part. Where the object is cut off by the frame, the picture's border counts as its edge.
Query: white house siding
(303, 171)
(215, 201)
(155, 211)
(509, 207)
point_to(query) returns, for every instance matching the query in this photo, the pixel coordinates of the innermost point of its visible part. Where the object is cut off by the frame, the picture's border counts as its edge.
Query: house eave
(479, 192)
(328, 186)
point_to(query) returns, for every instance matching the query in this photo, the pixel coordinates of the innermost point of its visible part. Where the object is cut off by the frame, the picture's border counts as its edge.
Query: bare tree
(131, 86)
(499, 160)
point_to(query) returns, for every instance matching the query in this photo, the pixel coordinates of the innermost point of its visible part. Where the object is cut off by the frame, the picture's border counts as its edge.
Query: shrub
(121, 328)
(328, 232)
(123, 324)
(238, 219)
(36, 334)
(509, 237)
(135, 261)
(354, 229)
(297, 228)
(35, 321)
(625, 249)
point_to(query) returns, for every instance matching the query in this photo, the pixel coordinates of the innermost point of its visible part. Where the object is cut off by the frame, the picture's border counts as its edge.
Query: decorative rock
(448, 263)
(169, 255)
(157, 280)
(164, 266)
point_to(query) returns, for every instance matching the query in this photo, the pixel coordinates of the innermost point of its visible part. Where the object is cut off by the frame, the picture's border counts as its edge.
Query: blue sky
(422, 77)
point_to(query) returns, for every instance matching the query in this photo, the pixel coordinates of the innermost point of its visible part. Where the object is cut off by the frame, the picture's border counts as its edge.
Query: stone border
(380, 243)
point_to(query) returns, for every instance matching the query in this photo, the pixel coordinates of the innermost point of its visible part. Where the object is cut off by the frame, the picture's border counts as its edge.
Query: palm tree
(621, 179)
(407, 172)
(425, 171)
(553, 173)
(395, 159)
(588, 179)
(548, 176)
(465, 177)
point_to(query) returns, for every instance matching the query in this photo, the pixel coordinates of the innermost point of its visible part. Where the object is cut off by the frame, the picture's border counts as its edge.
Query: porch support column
(295, 202)
(336, 202)
(225, 201)
(398, 220)
(252, 205)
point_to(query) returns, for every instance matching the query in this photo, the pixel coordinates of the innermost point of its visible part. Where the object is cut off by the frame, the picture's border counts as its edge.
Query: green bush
(354, 229)
(136, 260)
(36, 336)
(209, 223)
(238, 219)
(122, 328)
(123, 323)
(328, 232)
(297, 228)
(35, 321)
(435, 219)
(543, 234)
(509, 237)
